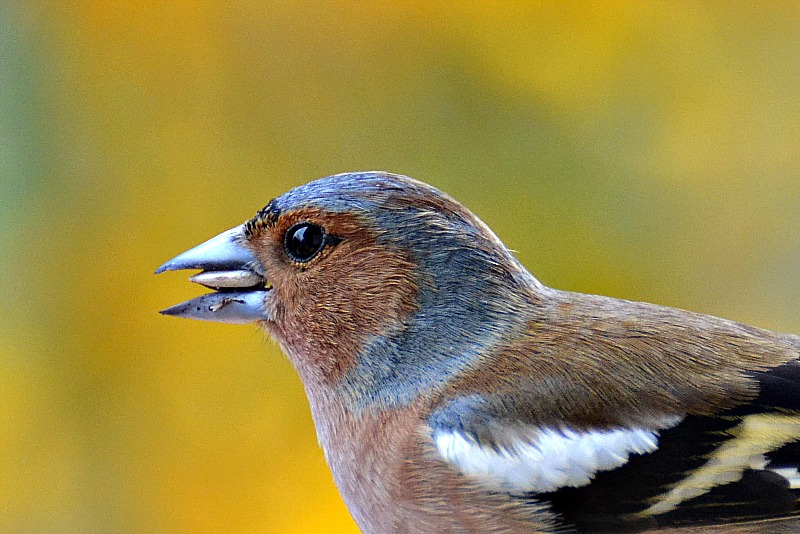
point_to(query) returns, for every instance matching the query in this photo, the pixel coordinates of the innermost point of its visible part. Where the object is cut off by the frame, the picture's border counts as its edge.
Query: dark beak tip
(173, 310)
(173, 265)
(167, 266)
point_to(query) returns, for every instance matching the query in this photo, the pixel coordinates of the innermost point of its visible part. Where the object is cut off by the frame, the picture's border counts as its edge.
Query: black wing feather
(607, 504)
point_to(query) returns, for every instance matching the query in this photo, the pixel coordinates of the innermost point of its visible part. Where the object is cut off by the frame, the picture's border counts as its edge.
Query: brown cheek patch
(328, 307)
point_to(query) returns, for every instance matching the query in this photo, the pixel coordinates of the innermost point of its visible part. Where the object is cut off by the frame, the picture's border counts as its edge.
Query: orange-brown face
(333, 285)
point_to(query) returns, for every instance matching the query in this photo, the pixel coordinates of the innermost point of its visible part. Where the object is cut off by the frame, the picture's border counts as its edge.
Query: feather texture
(453, 392)
(542, 460)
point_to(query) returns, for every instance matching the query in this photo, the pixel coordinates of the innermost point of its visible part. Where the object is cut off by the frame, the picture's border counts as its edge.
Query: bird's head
(373, 283)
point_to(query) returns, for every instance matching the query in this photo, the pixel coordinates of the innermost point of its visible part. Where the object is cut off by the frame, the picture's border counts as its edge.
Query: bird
(453, 392)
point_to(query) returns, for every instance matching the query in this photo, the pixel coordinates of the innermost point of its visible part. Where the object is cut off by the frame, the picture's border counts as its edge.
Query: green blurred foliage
(646, 150)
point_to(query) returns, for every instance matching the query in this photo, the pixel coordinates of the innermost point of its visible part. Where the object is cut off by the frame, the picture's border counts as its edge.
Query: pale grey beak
(231, 269)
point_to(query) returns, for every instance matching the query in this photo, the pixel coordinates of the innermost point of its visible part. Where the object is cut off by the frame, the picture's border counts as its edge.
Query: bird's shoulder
(618, 413)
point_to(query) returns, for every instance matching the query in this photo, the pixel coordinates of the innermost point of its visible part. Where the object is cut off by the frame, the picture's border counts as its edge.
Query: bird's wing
(670, 469)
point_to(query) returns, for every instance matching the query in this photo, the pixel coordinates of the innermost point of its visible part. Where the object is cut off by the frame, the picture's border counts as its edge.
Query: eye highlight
(304, 241)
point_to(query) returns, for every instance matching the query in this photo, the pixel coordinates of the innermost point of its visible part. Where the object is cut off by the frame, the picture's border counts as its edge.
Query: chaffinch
(453, 392)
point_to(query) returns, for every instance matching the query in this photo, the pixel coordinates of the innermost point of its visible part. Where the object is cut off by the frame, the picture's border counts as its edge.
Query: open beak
(233, 271)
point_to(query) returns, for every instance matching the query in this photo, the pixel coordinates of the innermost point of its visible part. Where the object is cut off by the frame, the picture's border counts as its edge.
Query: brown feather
(583, 354)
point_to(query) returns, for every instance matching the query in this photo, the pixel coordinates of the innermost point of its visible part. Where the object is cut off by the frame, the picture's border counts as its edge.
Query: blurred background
(645, 150)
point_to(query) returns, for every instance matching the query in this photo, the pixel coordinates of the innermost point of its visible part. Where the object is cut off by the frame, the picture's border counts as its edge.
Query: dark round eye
(303, 241)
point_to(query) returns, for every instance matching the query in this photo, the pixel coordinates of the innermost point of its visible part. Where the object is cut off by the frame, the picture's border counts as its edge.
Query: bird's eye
(303, 241)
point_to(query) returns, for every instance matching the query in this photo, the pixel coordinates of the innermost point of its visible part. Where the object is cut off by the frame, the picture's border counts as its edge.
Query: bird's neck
(448, 334)
(362, 451)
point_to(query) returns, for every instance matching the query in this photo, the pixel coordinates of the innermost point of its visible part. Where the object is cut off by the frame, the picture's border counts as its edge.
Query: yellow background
(642, 150)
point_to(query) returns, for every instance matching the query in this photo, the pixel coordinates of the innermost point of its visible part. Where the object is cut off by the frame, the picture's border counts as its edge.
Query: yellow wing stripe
(755, 436)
